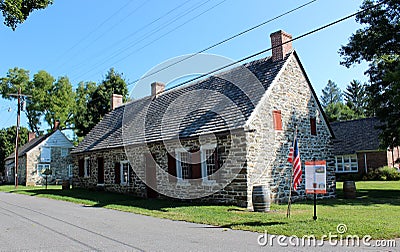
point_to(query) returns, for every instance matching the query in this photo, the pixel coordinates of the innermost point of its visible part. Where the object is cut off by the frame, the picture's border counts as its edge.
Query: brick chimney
(56, 125)
(279, 51)
(31, 136)
(157, 88)
(116, 101)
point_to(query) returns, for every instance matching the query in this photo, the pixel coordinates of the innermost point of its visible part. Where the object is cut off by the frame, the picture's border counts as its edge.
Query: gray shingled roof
(356, 135)
(215, 105)
(29, 146)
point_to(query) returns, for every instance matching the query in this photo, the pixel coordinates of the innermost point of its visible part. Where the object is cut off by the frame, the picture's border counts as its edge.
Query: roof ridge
(108, 132)
(355, 120)
(29, 145)
(191, 83)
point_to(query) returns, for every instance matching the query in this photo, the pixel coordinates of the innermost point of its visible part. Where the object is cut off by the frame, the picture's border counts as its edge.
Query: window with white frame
(70, 167)
(64, 152)
(45, 154)
(346, 163)
(124, 172)
(208, 161)
(86, 167)
(183, 164)
(196, 164)
(41, 168)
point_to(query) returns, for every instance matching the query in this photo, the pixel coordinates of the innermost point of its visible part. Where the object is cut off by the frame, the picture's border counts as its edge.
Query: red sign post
(315, 172)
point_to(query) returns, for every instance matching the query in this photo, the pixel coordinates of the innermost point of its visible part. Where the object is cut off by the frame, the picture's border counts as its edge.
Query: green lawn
(375, 211)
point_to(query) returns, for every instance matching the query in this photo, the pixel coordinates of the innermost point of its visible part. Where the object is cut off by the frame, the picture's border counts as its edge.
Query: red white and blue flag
(294, 158)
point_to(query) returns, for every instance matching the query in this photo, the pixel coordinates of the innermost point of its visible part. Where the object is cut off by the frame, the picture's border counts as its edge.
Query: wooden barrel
(261, 198)
(65, 185)
(349, 189)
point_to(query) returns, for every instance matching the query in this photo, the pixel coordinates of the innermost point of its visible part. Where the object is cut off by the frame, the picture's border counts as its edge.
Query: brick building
(220, 135)
(357, 148)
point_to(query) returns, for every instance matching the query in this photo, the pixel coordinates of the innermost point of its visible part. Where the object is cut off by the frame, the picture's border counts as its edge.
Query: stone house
(214, 139)
(357, 148)
(50, 151)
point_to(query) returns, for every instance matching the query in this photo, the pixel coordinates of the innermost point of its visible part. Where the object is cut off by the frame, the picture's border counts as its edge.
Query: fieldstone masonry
(255, 155)
(267, 149)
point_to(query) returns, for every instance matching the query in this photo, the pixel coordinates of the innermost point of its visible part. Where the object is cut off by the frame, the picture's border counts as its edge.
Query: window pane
(87, 167)
(124, 173)
(339, 163)
(185, 165)
(210, 161)
(70, 170)
(41, 168)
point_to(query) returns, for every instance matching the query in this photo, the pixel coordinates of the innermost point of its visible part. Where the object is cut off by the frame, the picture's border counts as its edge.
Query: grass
(374, 212)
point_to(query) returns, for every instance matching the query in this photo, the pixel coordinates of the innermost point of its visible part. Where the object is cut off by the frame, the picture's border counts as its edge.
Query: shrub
(389, 173)
(383, 173)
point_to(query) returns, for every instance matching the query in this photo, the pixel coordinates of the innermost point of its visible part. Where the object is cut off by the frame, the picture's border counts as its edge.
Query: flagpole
(291, 179)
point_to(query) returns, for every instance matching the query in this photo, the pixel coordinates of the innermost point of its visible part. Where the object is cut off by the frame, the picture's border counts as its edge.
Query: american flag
(294, 158)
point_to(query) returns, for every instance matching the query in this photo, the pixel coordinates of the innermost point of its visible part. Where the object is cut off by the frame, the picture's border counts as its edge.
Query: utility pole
(18, 95)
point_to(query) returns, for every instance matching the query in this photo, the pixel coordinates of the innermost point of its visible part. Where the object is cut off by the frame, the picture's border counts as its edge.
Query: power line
(269, 49)
(158, 38)
(109, 29)
(167, 33)
(142, 28)
(223, 41)
(147, 35)
(9, 118)
(95, 29)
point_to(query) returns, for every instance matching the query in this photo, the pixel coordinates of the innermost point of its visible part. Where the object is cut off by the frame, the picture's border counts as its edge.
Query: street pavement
(37, 224)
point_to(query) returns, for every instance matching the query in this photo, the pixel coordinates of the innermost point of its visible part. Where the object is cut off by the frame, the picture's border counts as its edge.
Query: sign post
(315, 180)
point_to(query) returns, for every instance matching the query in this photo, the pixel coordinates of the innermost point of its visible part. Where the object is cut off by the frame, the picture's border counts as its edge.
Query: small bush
(389, 173)
(383, 174)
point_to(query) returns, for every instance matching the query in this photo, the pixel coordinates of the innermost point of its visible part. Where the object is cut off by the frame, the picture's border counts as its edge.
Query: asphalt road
(36, 224)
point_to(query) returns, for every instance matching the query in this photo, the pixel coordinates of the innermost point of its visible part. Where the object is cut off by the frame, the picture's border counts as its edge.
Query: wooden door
(151, 176)
(100, 170)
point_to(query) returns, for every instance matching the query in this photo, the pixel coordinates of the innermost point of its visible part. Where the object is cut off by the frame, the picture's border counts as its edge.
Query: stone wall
(58, 165)
(9, 170)
(21, 170)
(268, 149)
(110, 157)
(233, 171)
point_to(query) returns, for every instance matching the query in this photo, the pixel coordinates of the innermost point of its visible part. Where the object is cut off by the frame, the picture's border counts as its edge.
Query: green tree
(17, 11)
(378, 42)
(83, 120)
(7, 142)
(331, 94)
(15, 78)
(18, 78)
(338, 111)
(61, 105)
(355, 97)
(100, 102)
(49, 99)
(39, 89)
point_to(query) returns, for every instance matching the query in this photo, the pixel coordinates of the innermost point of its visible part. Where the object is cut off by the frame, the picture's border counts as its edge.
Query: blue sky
(83, 39)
